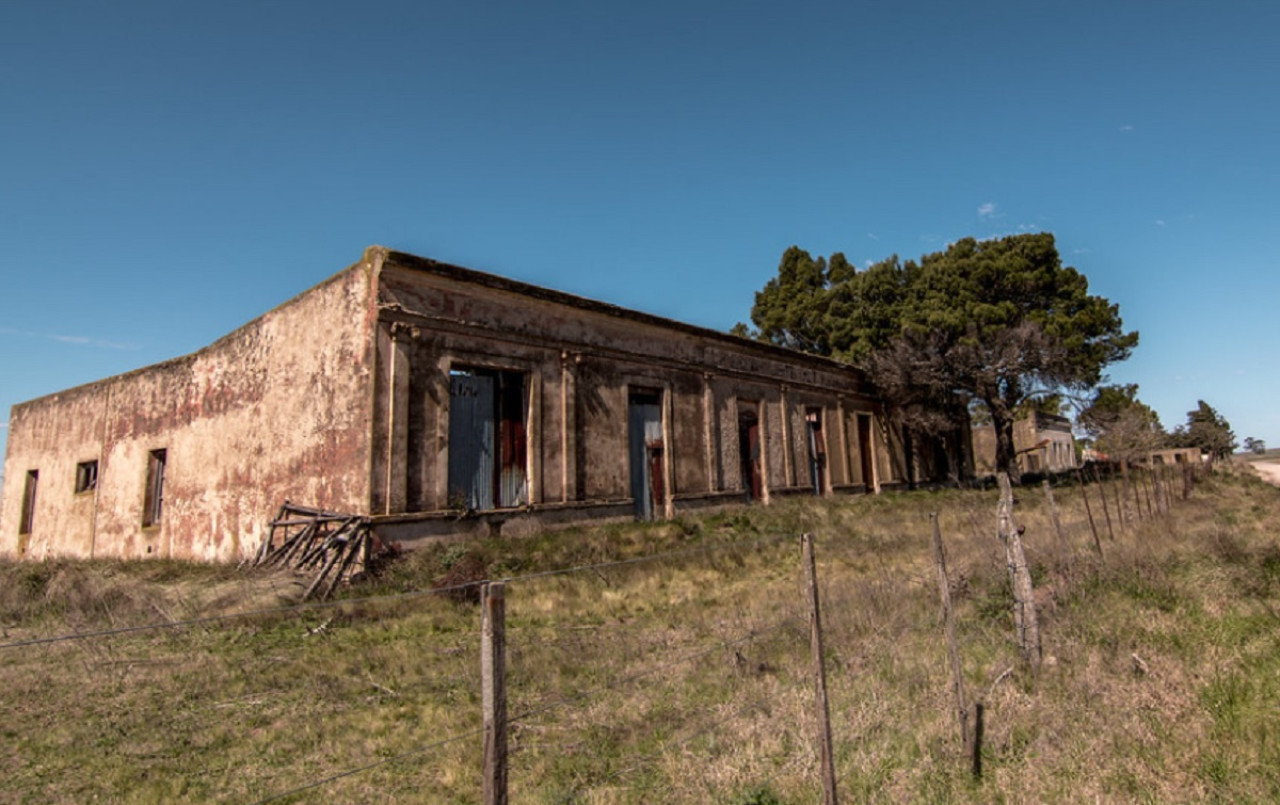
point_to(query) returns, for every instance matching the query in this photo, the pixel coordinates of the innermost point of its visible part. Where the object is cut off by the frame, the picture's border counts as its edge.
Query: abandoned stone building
(435, 400)
(1044, 444)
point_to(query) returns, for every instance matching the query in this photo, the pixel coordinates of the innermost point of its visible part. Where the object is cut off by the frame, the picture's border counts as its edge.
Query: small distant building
(1175, 455)
(435, 400)
(1043, 442)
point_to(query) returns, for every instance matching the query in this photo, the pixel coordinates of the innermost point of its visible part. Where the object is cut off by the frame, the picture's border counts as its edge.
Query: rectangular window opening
(28, 502)
(86, 476)
(488, 441)
(154, 498)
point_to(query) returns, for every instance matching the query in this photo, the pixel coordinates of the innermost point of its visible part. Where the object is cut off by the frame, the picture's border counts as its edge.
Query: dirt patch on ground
(1269, 470)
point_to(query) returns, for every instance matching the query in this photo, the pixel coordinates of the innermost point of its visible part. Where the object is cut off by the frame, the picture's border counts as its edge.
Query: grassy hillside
(680, 678)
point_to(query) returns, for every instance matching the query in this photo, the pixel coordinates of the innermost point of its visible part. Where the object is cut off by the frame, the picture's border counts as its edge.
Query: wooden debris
(335, 545)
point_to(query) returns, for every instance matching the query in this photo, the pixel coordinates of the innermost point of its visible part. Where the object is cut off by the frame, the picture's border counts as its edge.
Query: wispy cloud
(1160, 222)
(986, 210)
(873, 236)
(77, 340)
(1127, 127)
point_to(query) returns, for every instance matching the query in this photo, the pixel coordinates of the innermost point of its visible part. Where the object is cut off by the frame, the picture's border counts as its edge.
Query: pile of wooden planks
(335, 545)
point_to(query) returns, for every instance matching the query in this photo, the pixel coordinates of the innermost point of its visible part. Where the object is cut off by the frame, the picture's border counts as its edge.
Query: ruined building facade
(1044, 444)
(435, 400)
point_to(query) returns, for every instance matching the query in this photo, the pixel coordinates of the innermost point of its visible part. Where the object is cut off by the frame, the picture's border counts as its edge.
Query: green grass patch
(682, 679)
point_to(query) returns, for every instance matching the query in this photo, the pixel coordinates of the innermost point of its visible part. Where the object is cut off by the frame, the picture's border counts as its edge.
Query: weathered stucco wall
(582, 362)
(277, 409)
(346, 396)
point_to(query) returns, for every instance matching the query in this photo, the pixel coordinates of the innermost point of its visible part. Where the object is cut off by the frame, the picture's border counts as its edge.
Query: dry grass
(680, 680)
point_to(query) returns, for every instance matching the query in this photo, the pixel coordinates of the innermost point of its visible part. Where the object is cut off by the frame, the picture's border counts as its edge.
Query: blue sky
(170, 170)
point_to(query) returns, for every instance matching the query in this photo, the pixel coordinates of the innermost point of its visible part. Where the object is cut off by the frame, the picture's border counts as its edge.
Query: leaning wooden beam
(322, 545)
(296, 509)
(327, 518)
(334, 543)
(293, 545)
(323, 572)
(354, 549)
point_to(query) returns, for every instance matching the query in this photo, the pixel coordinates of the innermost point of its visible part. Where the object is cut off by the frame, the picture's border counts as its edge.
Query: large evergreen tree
(1120, 425)
(1207, 430)
(1000, 321)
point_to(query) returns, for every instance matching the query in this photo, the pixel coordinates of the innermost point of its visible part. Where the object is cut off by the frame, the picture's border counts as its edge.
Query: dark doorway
(644, 418)
(817, 450)
(749, 452)
(864, 451)
(488, 451)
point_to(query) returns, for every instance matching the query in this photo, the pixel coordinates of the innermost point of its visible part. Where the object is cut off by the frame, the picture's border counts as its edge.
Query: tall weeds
(682, 678)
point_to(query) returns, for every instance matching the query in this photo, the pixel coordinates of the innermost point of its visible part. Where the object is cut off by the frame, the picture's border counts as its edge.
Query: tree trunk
(1006, 453)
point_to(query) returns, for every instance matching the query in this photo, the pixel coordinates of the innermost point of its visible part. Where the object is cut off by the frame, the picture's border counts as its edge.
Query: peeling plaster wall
(582, 360)
(277, 409)
(340, 398)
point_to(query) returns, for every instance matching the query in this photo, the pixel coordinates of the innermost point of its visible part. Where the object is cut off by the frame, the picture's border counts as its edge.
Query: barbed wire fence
(613, 674)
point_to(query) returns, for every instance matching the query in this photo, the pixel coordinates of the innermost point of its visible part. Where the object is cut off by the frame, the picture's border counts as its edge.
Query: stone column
(397, 460)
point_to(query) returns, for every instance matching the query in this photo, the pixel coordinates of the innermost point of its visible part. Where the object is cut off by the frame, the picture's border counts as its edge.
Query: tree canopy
(999, 321)
(1207, 430)
(1121, 425)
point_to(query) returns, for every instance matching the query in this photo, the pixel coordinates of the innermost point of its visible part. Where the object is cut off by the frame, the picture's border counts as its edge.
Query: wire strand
(391, 597)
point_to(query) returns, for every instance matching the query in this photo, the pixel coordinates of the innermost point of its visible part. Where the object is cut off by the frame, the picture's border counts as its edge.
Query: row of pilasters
(554, 413)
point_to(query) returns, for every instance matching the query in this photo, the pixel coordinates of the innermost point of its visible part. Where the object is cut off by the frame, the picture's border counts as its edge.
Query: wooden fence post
(820, 675)
(1122, 511)
(977, 742)
(1084, 493)
(1057, 527)
(949, 627)
(1106, 510)
(1132, 503)
(1144, 480)
(493, 649)
(1024, 605)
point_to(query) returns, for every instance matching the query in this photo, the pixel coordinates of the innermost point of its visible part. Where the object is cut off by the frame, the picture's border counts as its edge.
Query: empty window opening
(86, 476)
(644, 418)
(28, 502)
(488, 449)
(749, 452)
(817, 450)
(153, 500)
